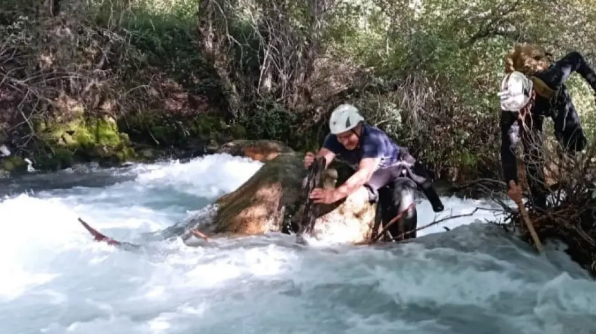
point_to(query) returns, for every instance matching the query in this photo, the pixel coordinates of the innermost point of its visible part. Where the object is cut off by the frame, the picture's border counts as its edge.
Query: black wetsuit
(399, 192)
(395, 180)
(560, 108)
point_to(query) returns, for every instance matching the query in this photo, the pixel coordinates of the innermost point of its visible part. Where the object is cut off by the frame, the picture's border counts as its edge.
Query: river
(473, 279)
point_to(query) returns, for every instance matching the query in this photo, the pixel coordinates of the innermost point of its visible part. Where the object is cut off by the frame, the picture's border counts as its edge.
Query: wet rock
(260, 150)
(75, 136)
(274, 195)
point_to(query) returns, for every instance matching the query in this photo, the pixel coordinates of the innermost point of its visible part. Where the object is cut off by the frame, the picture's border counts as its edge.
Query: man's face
(348, 139)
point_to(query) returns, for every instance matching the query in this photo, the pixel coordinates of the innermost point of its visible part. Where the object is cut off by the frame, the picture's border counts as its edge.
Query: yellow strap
(541, 88)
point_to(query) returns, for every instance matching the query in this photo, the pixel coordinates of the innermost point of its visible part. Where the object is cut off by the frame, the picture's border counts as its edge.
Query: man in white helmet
(525, 101)
(385, 168)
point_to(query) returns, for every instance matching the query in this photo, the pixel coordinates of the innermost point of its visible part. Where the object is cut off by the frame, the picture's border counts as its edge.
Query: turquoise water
(56, 279)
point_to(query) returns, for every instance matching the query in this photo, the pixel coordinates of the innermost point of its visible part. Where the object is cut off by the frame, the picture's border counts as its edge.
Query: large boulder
(274, 197)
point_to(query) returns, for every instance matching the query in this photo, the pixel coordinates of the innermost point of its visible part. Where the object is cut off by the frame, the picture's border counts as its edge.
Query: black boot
(433, 198)
(424, 181)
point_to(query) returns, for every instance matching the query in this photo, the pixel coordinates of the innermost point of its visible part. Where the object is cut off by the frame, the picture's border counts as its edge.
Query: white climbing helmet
(345, 117)
(516, 91)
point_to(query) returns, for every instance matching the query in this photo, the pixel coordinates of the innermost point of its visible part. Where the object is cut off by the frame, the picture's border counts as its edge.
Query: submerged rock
(273, 196)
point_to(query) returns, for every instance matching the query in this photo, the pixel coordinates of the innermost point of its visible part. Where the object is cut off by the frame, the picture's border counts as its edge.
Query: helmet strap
(356, 133)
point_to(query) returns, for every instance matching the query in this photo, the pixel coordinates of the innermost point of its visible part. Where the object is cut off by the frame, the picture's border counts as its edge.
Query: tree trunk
(214, 46)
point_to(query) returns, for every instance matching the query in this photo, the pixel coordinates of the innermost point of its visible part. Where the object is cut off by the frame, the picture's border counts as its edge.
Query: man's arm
(366, 168)
(327, 154)
(573, 62)
(372, 151)
(509, 139)
(330, 148)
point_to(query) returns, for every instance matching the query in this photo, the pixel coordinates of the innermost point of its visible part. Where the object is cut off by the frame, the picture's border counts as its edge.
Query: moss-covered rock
(106, 132)
(80, 138)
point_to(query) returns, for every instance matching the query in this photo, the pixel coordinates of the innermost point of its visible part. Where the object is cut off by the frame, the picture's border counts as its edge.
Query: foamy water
(56, 279)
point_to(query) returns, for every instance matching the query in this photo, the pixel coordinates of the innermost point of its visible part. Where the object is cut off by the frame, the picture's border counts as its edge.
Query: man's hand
(324, 196)
(308, 159)
(514, 192)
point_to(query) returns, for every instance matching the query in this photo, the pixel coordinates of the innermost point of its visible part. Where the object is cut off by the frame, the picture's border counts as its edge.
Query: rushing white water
(56, 279)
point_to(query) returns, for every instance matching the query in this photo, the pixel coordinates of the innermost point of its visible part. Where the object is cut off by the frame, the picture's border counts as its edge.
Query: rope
(310, 212)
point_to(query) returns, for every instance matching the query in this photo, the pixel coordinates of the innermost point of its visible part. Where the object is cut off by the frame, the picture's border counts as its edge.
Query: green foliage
(448, 59)
(267, 119)
(426, 71)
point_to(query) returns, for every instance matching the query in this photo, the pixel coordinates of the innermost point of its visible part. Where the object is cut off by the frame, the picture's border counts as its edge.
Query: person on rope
(386, 169)
(534, 88)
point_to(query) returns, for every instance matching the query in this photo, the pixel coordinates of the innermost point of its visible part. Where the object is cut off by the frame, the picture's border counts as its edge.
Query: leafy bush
(427, 72)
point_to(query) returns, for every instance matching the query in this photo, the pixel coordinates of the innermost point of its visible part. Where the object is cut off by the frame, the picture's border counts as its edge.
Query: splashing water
(55, 279)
